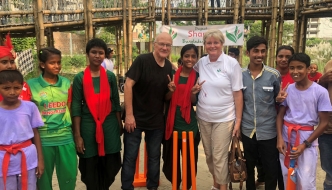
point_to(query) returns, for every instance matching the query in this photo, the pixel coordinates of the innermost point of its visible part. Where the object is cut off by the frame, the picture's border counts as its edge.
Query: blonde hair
(214, 33)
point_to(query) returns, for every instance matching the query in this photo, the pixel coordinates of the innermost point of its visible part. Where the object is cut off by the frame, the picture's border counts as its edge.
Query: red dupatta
(185, 106)
(99, 104)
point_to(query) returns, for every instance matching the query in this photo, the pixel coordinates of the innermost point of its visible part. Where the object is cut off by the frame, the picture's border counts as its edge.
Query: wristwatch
(307, 144)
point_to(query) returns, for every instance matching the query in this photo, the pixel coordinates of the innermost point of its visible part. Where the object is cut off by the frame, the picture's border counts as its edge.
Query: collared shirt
(259, 111)
(222, 78)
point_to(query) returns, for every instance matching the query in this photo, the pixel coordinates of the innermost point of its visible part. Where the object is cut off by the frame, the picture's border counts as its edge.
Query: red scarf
(99, 104)
(185, 106)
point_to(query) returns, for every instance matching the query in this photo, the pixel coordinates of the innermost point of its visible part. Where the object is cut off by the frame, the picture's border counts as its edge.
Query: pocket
(267, 94)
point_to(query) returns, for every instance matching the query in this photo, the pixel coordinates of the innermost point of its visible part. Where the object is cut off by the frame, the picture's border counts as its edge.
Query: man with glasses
(144, 92)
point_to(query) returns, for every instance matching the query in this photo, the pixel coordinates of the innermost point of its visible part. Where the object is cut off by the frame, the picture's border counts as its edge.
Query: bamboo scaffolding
(11, 13)
(124, 29)
(39, 25)
(58, 24)
(267, 35)
(320, 10)
(163, 12)
(151, 12)
(236, 11)
(296, 25)
(89, 19)
(319, 2)
(281, 21)
(57, 12)
(200, 22)
(169, 16)
(206, 15)
(130, 33)
(242, 13)
(273, 33)
(86, 24)
(17, 28)
(303, 31)
(50, 37)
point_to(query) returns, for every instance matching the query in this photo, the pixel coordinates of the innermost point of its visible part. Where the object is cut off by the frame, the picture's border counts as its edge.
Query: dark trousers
(98, 172)
(212, 3)
(261, 174)
(269, 157)
(168, 159)
(131, 142)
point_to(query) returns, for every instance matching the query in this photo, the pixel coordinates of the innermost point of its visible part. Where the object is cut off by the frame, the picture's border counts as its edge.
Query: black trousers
(98, 172)
(268, 153)
(261, 174)
(168, 159)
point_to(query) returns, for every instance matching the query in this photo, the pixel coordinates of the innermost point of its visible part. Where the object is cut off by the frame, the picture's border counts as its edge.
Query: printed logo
(234, 36)
(172, 33)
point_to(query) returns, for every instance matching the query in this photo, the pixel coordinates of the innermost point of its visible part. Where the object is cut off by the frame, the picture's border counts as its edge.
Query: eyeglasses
(163, 45)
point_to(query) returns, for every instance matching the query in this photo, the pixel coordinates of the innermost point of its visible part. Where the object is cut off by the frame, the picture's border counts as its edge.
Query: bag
(236, 163)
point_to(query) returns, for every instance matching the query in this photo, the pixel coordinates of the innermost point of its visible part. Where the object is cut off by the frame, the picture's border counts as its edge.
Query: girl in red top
(7, 62)
(314, 75)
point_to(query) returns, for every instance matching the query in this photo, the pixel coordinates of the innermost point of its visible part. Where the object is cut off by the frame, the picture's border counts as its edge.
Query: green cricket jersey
(52, 101)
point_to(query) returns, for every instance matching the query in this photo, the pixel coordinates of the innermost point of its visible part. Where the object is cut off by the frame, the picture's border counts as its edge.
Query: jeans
(325, 148)
(132, 143)
(269, 157)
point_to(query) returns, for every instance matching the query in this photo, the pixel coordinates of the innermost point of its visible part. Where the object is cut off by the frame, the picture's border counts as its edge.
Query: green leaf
(174, 36)
(170, 30)
(240, 35)
(235, 32)
(231, 37)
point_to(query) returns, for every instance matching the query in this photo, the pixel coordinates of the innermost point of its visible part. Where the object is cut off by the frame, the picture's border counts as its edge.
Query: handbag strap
(236, 147)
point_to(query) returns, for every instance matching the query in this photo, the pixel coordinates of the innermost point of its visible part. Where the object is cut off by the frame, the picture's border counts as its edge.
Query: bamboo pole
(199, 22)
(326, 9)
(89, 19)
(57, 24)
(163, 12)
(267, 34)
(303, 31)
(243, 7)
(124, 29)
(39, 24)
(130, 33)
(86, 23)
(206, 9)
(50, 37)
(296, 25)
(169, 16)
(273, 33)
(18, 28)
(281, 22)
(263, 28)
(236, 11)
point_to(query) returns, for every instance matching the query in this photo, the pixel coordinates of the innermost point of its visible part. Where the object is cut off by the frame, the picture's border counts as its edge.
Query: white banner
(183, 35)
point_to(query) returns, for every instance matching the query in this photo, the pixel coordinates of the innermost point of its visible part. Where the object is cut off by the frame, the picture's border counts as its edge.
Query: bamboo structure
(303, 31)
(273, 33)
(124, 37)
(267, 35)
(242, 13)
(296, 25)
(163, 12)
(206, 6)
(281, 21)
(39, 24)
(169, 17)
(130, 33)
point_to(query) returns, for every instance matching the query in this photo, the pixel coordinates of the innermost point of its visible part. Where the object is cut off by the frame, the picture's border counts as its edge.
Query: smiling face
(257, 54)
(213, 46)
(189, 58)
(96, 56)
(298, 71)
(10, 91)
(282, 58)
(52, 66)
(163, 45)
(7, 63)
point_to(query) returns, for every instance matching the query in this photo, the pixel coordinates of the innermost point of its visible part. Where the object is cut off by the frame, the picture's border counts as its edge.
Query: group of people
(48, 121)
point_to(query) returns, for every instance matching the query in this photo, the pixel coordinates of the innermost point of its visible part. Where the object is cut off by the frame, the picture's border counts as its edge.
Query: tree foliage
(21, 44)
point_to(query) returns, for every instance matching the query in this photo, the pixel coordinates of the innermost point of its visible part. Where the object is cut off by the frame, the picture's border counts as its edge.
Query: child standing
(7, 62)
(20, 160)
(52, 95)
(314, 75)
(96, 120)
(306, 104)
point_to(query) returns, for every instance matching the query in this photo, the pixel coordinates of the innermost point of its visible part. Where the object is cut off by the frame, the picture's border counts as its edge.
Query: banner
(183, 35)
